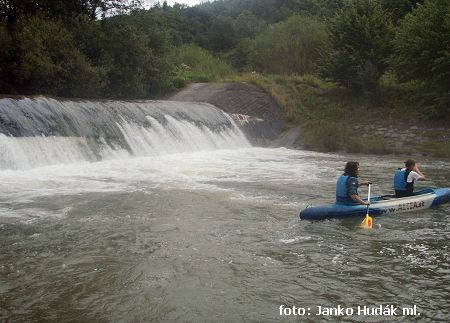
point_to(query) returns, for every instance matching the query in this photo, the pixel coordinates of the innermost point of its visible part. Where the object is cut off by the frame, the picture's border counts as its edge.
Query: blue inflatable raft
(380, 205)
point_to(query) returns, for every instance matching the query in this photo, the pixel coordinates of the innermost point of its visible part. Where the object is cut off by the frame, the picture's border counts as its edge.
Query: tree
(11, 10)
(399, 8)
(198, 65)
(422, 50)
(293, 46)
(50, 63)
(138, 56)
(221, 35)
(361, 37)
(6, 48)
(247, 25)
(101, 8)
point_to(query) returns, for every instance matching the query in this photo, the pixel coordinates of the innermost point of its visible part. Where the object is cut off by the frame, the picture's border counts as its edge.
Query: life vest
(401, 180)
(342, 196)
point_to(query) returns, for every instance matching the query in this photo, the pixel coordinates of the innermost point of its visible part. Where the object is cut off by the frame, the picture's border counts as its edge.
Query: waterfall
(44, 131)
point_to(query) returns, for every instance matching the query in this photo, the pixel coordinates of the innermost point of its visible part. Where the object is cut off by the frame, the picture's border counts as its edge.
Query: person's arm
(421, 176)
(356, 198)
(352, 190)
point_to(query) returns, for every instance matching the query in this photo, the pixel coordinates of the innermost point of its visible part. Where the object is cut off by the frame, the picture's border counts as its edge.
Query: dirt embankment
(261, 119)
(254, 110)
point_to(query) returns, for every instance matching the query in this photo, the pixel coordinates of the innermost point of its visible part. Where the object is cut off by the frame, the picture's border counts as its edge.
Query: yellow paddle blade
(367, 222)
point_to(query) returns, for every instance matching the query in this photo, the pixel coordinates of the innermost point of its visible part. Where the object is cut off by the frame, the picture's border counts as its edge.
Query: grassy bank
(331, 117)
(334, 119)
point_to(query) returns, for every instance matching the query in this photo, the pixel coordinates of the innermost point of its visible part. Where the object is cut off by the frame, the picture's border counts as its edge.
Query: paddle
(367, 222)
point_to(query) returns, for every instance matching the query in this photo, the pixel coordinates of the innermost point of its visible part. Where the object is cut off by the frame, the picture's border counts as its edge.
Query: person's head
(352, 168)
(410, 163)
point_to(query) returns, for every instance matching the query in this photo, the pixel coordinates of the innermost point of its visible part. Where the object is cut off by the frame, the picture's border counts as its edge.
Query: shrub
(199, 65)
(421, 53)
(293, 46)
(361, 36)
(50, 62)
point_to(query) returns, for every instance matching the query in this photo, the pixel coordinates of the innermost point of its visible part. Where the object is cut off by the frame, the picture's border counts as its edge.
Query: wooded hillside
(116, 49)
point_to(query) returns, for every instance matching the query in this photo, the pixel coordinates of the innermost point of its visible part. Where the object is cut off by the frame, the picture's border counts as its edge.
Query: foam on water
(40, 132)
(224, 170)
(157, 235)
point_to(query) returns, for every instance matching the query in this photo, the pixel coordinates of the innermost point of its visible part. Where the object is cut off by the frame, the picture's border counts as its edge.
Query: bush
(50, 62)
(436, 148)
(422, 53)
(6, 47)
(361, 37)
(324, 136)
(376, 145)
(199, 65)
(291, 47)
(138, 56)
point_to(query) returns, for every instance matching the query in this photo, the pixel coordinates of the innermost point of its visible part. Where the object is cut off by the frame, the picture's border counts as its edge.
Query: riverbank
(331, 118)
(256, 112)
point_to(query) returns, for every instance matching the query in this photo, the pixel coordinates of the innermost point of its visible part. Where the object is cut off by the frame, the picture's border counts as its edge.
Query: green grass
(436, 149)
(199, 65)
(328, 114)
(335, 136)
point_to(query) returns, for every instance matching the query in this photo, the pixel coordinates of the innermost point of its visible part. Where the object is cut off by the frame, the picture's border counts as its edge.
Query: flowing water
(178, 218)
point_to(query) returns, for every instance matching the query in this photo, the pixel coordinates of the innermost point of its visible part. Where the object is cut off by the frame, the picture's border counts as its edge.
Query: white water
(156, 236)
(36, 132)
(214, 171)
(178, 137)
(190, 223)
(175, 136)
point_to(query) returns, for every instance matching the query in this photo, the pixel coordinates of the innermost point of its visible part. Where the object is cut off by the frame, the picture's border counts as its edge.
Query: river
(213, 236)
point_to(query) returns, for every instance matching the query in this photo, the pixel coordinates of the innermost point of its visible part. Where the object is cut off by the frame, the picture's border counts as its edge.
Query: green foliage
(124, 56)
(333, 135)
(323, 135)
(291, 47)
(332, 118)
(128, 58)
(436, 148)
(221, 34)
(361, 36)
(377, 145)
(305, 98)
(12, 10)
(199, 65)
(51, 63)
(422, 43)
(399, 8)
(137, 56)
(6, 47)
(422, 52)
(247, 25)
(271, 11)
(64, 48)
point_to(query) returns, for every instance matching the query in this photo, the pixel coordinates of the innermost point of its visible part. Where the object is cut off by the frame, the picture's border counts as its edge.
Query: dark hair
(410, 163)
(351, 169)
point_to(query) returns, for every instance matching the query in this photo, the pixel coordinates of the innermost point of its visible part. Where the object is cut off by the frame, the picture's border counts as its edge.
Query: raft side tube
(442, 196)
(428, 197)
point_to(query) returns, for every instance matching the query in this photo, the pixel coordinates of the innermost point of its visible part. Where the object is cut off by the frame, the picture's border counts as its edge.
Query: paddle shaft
(368, 200)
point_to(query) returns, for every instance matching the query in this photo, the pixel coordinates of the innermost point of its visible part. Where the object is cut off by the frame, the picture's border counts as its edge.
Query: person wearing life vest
(404, 179)
(347, 186)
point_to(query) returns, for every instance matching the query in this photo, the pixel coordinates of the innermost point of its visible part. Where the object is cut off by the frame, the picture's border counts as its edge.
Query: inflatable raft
(380, 205)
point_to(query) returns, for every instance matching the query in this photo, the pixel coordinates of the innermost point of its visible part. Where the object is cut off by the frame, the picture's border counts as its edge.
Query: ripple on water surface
(210, 236)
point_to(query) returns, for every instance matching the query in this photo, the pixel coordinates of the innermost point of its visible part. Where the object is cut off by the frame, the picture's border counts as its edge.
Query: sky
(149, 3)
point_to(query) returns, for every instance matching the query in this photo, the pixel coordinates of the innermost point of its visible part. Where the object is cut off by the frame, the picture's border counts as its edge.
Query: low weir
(43, 131)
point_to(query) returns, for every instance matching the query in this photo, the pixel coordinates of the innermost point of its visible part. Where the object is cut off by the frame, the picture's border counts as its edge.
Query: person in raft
(347, 185)
(404, 179)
